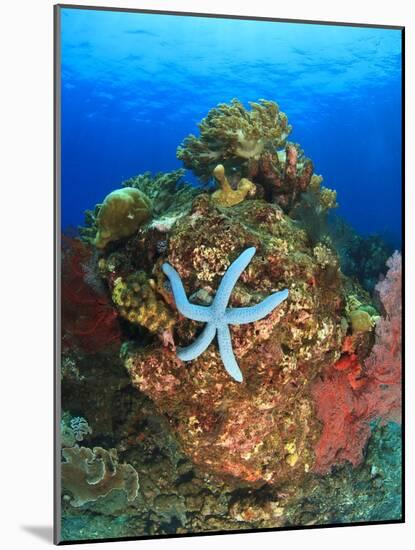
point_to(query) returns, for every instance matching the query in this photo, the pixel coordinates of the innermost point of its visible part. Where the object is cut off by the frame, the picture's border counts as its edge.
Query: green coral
(361, 321)
(362, 317)
(121, 214)
(170, 194)
(170, 197)
(231, 132)
(312, 210)
(88, 231)
(167, 190)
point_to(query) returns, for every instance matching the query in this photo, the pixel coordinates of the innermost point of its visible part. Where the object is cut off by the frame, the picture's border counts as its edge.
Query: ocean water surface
(134, 85)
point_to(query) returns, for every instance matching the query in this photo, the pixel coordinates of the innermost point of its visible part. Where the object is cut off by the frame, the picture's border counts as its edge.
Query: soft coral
(349, 394)
(88, 319)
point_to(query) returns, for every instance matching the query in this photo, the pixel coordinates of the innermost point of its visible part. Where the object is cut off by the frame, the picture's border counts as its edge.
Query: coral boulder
(265, 429)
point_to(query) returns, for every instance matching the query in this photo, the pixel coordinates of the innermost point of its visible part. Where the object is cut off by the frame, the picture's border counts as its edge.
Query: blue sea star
(218, 316)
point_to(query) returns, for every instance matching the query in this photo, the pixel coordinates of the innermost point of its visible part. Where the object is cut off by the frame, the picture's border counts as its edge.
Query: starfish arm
(242, 315)
(227, 355)
(230, 278)
(199, 345)
(191, 311)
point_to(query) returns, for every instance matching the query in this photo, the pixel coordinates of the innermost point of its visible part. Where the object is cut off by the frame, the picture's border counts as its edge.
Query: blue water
(134, 85)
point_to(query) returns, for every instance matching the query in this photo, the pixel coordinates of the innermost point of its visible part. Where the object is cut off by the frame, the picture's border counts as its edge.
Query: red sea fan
(343, 415)
(349, 396)
(88, 319)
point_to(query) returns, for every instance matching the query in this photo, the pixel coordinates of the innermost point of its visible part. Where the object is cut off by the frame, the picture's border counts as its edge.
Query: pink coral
(383, 366)
(349, 395)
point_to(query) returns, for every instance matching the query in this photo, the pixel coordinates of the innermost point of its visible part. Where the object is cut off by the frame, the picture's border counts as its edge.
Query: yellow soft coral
(226, 196)
(121, 214)
(137, 301)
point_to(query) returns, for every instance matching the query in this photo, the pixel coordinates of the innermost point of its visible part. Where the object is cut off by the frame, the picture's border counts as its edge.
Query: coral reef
(305, 431)
(252, 146)
(121, 214)
(176, 497)
(168, 192)
(170, 198)
(222, 425)
(89, 474)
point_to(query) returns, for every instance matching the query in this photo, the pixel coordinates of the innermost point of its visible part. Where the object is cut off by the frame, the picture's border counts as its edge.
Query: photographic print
(229, 202)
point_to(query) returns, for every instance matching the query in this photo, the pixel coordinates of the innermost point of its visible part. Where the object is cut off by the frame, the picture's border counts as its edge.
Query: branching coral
(121, 214)
(88, 231)
(230, 132)
(90, 474)
(284, 175)
(312, 209)
(168, 192)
